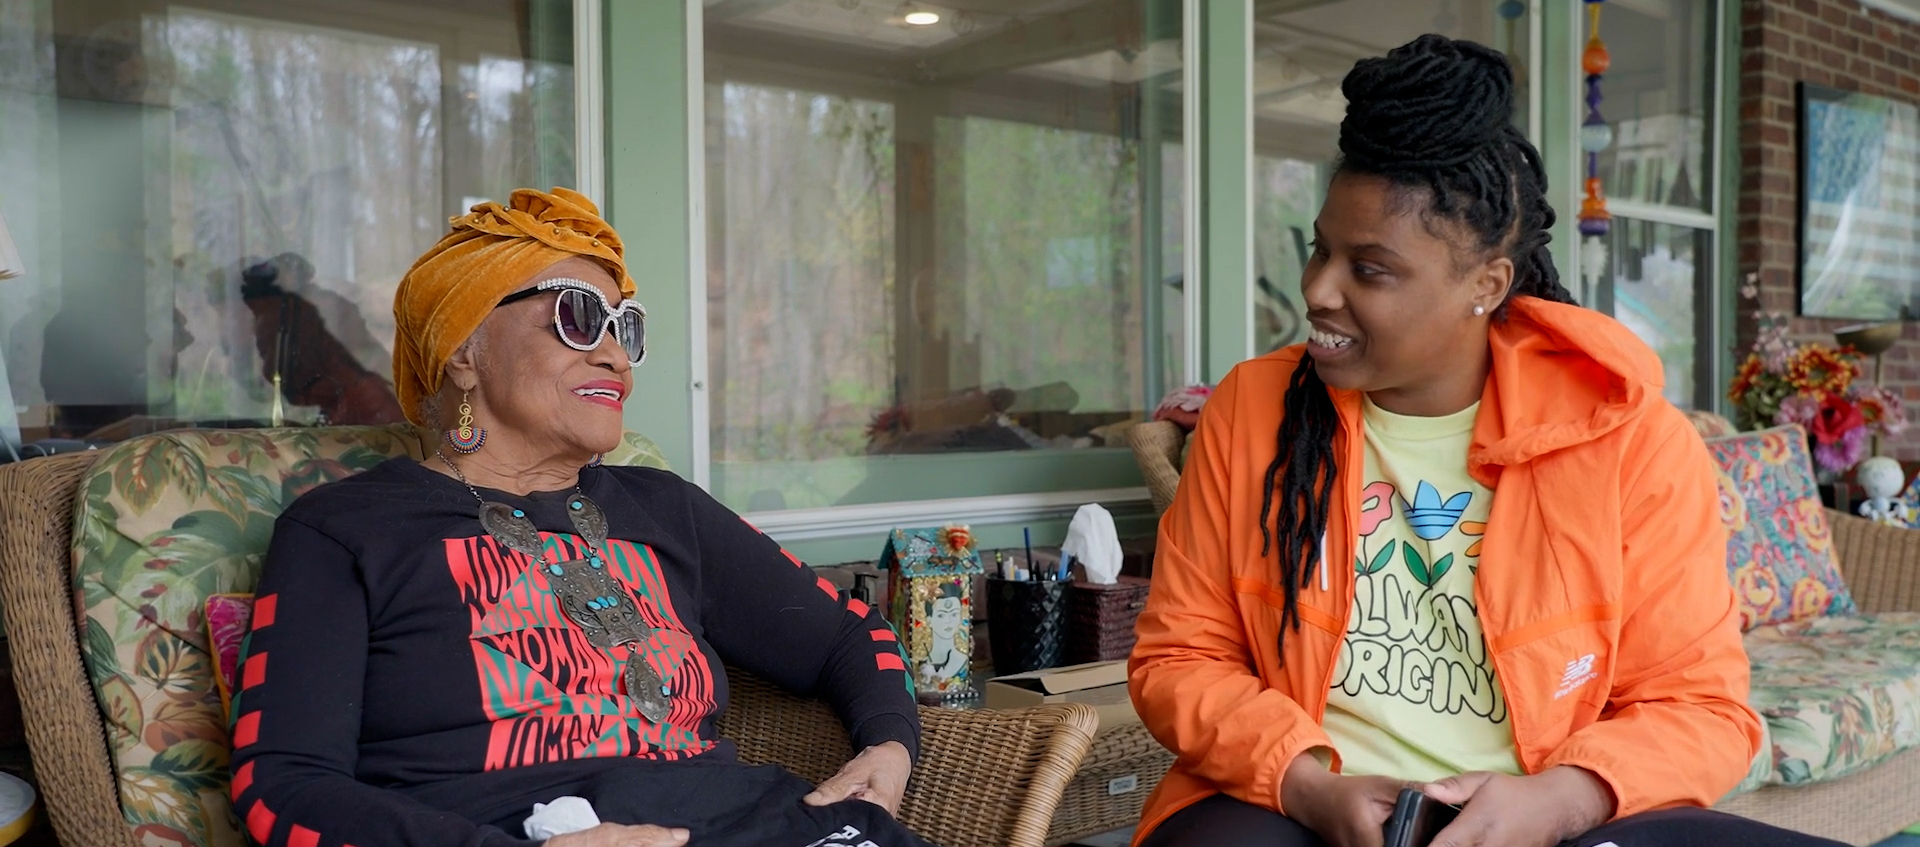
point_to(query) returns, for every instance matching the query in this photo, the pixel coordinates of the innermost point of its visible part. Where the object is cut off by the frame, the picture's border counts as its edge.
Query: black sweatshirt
(400, 654)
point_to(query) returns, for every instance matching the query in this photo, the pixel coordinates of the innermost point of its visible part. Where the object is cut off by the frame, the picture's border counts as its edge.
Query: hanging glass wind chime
(1595, 136)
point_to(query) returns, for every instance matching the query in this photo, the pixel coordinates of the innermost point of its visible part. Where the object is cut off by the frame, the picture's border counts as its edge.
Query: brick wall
(1832, 43)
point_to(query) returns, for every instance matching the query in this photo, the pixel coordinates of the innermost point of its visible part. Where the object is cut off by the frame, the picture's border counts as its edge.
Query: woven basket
(1100, 619)
(1111, 786)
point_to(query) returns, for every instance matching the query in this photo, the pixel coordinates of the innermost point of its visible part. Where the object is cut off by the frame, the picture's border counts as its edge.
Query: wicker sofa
(1882, 570)
(115, 683)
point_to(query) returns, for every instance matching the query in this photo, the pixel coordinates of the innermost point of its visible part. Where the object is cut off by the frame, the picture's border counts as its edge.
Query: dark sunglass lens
(580, 317)
(631, 330)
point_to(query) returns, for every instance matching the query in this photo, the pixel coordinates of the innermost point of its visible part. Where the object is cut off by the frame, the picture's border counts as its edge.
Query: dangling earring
(1479, 310)
(466, 438)
(596, 461)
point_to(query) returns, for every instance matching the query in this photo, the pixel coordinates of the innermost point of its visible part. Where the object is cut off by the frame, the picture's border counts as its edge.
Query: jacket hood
(1561, 375)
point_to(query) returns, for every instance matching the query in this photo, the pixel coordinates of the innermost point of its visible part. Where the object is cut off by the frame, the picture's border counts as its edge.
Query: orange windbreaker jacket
(1602, 586)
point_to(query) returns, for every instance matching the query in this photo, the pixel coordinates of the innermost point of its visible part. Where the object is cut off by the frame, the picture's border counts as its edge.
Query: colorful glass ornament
(1596, 135)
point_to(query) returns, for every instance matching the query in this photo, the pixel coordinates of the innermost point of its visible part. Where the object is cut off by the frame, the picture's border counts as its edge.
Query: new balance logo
(847, 837)
(1579, 672)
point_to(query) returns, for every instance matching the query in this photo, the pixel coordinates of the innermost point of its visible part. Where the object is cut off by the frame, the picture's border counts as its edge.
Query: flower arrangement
(1815, 385)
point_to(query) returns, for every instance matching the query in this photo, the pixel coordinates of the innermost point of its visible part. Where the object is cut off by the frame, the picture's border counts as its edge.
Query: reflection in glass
(214, 207)
(937, 241)
(1658, 97)
(1301, 53)
(1659, 274)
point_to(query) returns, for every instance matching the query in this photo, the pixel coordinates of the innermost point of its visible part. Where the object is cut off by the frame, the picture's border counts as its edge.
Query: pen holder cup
(1026, 623)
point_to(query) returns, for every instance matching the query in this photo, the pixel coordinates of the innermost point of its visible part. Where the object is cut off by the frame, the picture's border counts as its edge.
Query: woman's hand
(1522, 811)
(878, 775)
(1345, 811)
(621, 835)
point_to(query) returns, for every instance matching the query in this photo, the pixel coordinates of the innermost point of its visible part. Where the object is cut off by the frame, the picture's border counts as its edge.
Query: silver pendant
(588, 595)
(596, 602)
(647, 690)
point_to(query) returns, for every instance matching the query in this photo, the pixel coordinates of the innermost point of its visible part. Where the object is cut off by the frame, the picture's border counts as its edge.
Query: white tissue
(1094, 543)
(563, 815)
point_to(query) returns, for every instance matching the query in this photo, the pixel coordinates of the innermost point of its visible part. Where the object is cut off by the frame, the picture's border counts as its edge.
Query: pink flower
(1845, 451)
(1380, 494)
(1799, 409)
(1882, 408)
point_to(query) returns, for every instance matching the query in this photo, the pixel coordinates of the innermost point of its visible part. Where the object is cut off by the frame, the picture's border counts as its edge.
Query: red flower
(1837, 417)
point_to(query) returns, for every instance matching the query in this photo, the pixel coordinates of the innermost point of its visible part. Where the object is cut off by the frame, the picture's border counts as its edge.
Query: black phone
(1417, 818)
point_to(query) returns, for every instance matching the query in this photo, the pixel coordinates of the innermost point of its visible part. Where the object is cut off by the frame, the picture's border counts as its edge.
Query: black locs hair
(1434, 117)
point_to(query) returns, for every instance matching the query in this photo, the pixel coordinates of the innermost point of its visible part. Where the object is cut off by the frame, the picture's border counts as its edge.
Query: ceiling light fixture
(922, 18)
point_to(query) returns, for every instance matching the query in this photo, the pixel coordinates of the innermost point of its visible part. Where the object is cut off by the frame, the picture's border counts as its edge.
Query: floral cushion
(1780, 555)
(165, 522)
(1710, 424)
(1839, 694)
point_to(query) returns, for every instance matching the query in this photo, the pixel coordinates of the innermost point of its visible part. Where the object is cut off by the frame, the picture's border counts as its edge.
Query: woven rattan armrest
(987, 778)
(64, 732)
(1156, 447)
(1881, 563)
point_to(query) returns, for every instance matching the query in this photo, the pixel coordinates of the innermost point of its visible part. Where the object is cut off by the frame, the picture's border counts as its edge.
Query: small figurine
(1882, 479)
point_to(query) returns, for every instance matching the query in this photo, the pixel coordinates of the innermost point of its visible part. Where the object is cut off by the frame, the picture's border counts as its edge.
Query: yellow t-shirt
(1414, 694)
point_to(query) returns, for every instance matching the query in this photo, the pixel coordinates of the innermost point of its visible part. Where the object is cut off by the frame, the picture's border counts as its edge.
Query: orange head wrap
(491, 251)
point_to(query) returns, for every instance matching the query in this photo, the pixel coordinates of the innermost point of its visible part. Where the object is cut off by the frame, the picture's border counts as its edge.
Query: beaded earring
(596, 461)
(466, 438)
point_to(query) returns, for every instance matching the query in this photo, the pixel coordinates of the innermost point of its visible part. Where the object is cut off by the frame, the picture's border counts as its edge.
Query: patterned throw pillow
(1780, 555)
(1710, 425)
(229, 619)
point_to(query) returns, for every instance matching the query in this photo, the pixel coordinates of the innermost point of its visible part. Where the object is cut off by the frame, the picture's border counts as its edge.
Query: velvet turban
(492, 251)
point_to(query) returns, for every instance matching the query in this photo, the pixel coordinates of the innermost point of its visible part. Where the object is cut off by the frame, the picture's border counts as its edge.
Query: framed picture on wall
(1859, 206)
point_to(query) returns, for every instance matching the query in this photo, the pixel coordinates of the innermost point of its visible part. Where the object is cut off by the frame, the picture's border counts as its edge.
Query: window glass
(213, 205)
(1657, 95)
(1659, 273)
(944, 245)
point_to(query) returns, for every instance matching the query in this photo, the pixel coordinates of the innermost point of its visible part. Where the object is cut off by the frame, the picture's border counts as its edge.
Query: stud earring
(466, 438)
(1479, 310)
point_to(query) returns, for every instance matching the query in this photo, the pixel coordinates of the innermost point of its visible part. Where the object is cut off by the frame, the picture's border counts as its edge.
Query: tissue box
(1125, 764)
(1100, 619)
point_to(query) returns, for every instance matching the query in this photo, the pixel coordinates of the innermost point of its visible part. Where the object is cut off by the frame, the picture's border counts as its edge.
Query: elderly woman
(439, 645)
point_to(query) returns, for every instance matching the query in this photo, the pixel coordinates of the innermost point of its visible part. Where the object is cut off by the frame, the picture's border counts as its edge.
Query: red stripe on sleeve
(303, 837)
(260, 822)
(889, 661)
(246, 731)
(828, 587)
(242, 780)
(854, 605)
(882, 634)
(792, 558)
(255, 671)
(263, 609)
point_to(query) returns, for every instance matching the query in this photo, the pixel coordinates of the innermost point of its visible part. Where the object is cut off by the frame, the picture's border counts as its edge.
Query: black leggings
(1223, 821)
